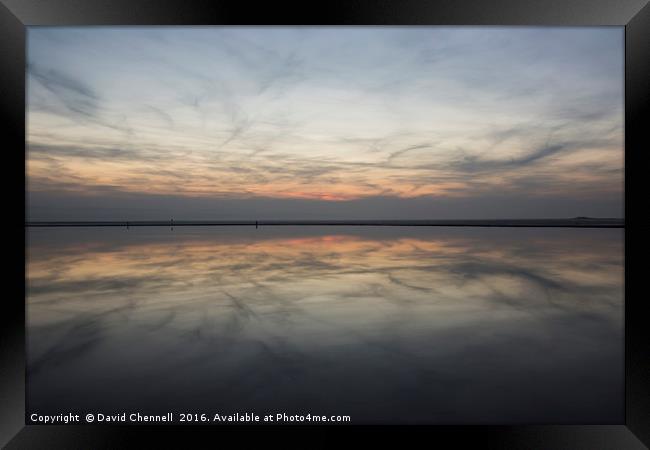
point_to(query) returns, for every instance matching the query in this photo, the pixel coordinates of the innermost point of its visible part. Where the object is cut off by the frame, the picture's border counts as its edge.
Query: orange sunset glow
(329, 122)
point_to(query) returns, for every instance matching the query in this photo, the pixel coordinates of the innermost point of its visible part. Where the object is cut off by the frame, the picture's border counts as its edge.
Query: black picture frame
(634, 15)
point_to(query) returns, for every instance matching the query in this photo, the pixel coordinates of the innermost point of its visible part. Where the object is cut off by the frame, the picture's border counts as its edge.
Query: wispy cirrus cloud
(328, 114)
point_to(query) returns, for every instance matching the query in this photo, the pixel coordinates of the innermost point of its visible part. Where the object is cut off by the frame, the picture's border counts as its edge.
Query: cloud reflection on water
(392, 325)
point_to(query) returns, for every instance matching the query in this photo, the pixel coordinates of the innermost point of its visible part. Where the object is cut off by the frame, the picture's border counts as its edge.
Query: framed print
(374, 220)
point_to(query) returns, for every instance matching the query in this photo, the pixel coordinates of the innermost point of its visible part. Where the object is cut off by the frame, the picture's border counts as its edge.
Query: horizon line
(575, 222)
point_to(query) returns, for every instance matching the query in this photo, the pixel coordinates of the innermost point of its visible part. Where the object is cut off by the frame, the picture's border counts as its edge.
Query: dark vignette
(12, 327)
(637, 105)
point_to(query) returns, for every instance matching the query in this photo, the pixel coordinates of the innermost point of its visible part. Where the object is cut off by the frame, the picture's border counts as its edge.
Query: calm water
(387, 325)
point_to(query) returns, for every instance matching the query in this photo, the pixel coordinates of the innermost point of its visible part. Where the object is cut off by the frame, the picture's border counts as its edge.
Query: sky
(131, 123)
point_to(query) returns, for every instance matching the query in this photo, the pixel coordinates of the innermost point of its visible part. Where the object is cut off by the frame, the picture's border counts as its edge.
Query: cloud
(475, 164)
(336, 114)
(77, 97)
